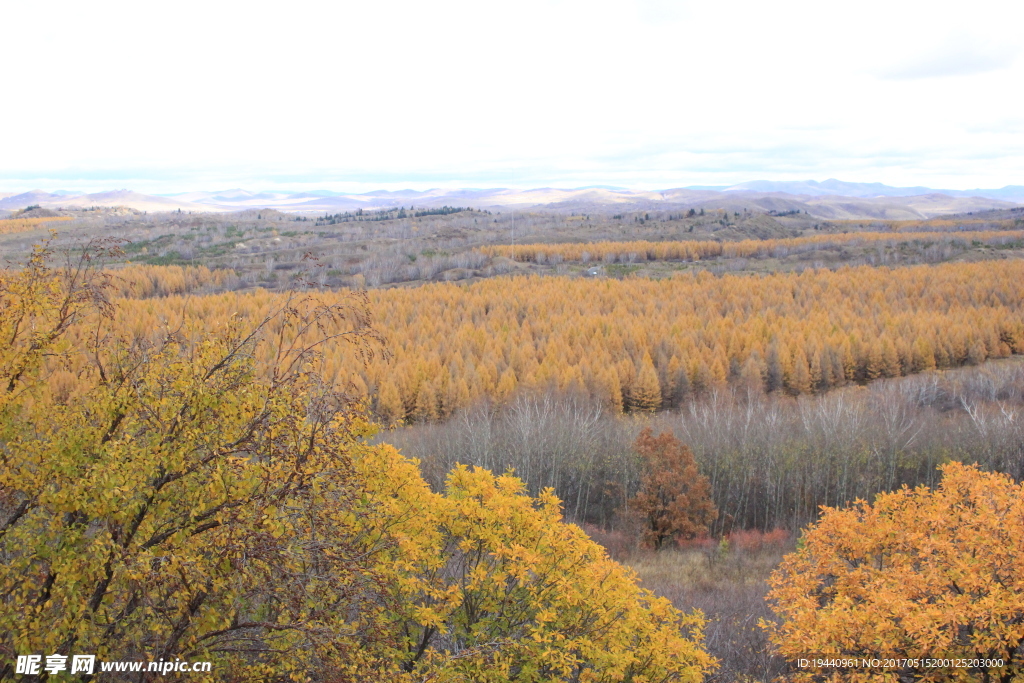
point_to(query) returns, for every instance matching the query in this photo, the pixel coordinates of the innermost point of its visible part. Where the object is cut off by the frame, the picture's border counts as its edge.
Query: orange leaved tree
(674, 500)
(920, 574)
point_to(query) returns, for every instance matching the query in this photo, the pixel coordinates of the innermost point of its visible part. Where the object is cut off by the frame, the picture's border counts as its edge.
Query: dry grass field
(726, 579)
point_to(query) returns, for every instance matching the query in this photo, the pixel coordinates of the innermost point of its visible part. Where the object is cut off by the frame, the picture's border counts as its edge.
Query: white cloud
(649, 93)
(961, 55)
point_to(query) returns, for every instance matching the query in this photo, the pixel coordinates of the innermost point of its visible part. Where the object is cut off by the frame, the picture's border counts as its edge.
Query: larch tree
(923, 355)
(645, 393)
(390, 408)
(890, 359)
(801, 379)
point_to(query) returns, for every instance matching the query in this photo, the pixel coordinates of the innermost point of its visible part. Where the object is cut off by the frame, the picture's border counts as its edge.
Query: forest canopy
(639, 344)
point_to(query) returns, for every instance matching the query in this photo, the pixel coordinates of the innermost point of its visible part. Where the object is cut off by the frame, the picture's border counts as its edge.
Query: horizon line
(513, 188)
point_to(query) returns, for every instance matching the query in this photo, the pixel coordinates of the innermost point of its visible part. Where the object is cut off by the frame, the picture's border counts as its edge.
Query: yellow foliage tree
(390, 408)
(506, 384)
(890, 359)
(645, 392)
(176, 506)
(919, 574)
(923, 355)
(489, 585)
(425, 408)
(800, 381)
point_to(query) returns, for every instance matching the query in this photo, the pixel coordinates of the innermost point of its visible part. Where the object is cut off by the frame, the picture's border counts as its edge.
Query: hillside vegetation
(15, 225)
(402, 247)
(695, 250)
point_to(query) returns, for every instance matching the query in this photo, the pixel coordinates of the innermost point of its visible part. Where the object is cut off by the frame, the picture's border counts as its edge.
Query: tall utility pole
(513, 234)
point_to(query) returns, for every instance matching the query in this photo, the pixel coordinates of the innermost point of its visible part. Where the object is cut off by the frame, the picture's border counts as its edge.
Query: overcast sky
(353, 96)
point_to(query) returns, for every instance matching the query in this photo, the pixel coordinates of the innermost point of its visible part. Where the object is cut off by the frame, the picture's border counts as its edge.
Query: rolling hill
(831, 199)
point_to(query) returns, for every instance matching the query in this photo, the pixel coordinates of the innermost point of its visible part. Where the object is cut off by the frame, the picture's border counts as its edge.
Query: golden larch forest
(638, 344)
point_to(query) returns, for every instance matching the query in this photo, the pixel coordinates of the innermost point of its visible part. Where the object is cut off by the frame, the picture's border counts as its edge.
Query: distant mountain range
(69, 200)
(831, 199)
(839, 188)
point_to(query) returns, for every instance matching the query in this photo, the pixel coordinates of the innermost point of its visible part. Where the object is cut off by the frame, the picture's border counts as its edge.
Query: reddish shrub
(753, 541)
(702, 543)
